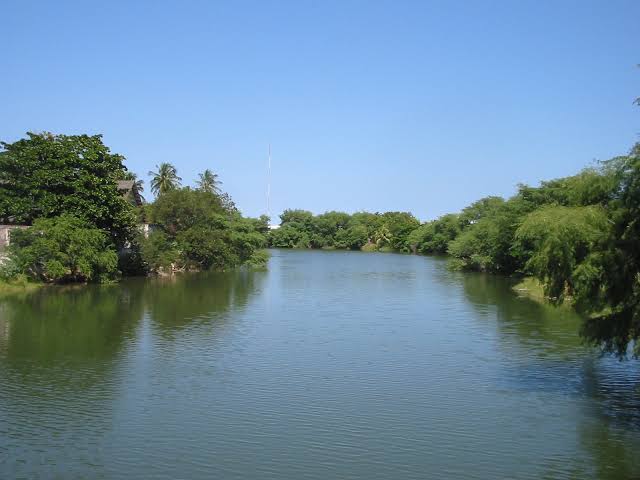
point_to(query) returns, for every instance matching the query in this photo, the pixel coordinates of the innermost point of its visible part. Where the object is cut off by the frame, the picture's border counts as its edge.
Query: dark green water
(331, 365)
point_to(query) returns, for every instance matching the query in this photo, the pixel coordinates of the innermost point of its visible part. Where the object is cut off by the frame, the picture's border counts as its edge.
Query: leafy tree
(180, 209)
(303, 217)
(370, 221)
(327, 225)
(209, 182)
(595, 257)
(259, 260)
(352, 238)
(200, 232)
(46, 175)
(399, 225)
(434, 237)
(382, 236)
(289, 236)
(159, 252)
(64, 249)
(481, 208)
(486, 245)
(165, 179)
(561, 238)
(301, 229)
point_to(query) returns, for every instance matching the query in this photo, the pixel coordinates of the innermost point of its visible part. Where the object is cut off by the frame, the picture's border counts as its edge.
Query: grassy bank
(17, 286)
(530, 287)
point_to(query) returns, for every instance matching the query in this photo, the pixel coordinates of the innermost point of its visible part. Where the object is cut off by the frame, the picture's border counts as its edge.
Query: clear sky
(369, 105)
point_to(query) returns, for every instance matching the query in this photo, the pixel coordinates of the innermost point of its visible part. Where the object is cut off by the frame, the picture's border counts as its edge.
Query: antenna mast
(269, 186)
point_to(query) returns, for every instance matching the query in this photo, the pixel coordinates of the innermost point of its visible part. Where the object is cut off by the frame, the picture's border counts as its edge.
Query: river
(330, 365)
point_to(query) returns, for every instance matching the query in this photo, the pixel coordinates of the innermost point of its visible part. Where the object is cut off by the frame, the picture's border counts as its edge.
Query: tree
(595, 256)
(177, 210)
(303, 217)
(209, 182)
(399, 225)
(165, 179)
(435, 236)
(199, 232)
(46, 175)
(64, 249)
(487, 244)
(561, 238)
(352, 238)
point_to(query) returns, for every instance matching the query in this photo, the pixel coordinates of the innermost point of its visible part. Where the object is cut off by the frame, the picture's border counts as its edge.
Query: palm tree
(209, 182)
(165, 179)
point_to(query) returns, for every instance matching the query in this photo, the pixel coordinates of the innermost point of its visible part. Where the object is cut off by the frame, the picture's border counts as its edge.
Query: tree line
(82, 227)
(578, 235)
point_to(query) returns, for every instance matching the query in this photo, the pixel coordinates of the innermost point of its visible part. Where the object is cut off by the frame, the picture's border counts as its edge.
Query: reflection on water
(550, 355)
(329, 365)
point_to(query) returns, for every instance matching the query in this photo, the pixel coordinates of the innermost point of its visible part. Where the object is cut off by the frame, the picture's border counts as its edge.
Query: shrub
(158, 252)
(64, 249)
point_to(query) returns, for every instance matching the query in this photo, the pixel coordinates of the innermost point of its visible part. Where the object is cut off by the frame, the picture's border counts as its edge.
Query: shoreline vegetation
(573, 240)
(75, 214)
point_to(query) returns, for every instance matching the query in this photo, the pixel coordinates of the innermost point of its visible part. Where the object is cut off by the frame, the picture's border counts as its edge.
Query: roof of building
(125, 184)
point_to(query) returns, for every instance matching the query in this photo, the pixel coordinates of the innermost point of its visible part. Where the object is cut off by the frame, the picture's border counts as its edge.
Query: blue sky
(369, 105)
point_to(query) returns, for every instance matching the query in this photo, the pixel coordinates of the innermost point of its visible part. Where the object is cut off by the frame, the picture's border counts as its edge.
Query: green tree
(209, 182)
(164, 179)
(561, 238)
(64, 249)
(435, 236)
(352, 238)
(303, 217)
(180, 209)
(399, 226)
(46, 175)
(479, 209)
(595, 256)
(199, 232)
(159, 252)
(487, 244)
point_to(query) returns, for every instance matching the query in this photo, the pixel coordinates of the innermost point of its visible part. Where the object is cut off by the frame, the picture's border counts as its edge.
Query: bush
(259, 260)
(197, 232)
(63, 249)
(158, 252)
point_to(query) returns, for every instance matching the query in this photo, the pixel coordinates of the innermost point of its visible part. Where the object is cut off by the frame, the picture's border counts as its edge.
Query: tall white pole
(269, 186)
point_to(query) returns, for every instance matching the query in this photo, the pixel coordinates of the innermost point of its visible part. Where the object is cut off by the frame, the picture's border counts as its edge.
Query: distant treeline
(579, 235)
(372, 231)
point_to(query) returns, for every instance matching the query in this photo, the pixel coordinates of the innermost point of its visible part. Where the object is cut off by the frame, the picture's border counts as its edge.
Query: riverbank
(17, 286)
(532, 288)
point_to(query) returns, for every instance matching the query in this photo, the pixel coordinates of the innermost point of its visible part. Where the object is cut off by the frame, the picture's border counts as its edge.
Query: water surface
(329, 365)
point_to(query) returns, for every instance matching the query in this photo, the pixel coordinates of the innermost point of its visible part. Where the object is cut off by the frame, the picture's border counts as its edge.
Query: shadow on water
(71, 339)
(89, 325)
(177, 302)
(65, 353)
(70, 325)
(546, 355)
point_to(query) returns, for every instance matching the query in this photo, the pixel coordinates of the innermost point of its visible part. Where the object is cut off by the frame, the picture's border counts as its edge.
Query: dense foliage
(45, 175)
(579, 235)
(302, 229)
(196, 229)
(83, 228)
(64, 249)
